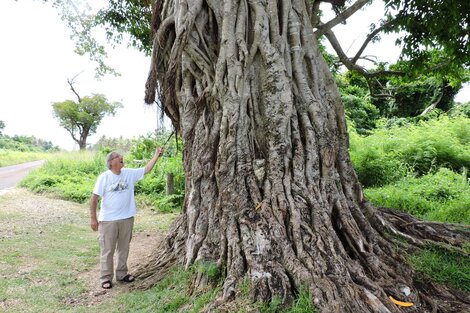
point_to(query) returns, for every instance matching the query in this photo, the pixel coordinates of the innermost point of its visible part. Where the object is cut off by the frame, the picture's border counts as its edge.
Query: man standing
(116, 217)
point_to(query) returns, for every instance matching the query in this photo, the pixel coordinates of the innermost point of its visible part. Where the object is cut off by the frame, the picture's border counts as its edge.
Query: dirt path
(141, 244)
(42, 211)
(13, 174)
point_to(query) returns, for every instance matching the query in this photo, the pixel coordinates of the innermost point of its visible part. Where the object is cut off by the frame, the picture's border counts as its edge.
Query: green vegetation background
(420, 167)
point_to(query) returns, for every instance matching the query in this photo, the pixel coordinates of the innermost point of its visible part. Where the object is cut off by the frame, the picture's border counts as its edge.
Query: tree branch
(343, 16)
(434, 104)
(70, 82)
(341, 55)
(369, 76)
(369, 39)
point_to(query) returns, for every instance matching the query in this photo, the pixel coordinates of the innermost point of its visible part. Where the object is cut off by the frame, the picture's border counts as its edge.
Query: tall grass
(69, 176)
(443, 196)
(10, 157)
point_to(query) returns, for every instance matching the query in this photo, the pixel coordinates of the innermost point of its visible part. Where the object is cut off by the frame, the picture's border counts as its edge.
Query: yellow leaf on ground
(400, 303)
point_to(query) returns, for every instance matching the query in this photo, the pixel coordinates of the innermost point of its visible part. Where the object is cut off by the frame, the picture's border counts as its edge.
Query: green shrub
(411, 98)
(154, 184)
(374, 167)
(361, 112)
(26, 144)
(435, 143)
(421, 148)
(460, 109)
(70, 176)
(169, 204)
(150, 185)
(357, 103)
(40, 182)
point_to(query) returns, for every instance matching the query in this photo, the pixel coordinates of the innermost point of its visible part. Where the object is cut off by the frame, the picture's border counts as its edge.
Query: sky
(37, 58)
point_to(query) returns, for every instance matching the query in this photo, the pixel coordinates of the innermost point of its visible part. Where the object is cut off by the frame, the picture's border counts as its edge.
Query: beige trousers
(114, 236)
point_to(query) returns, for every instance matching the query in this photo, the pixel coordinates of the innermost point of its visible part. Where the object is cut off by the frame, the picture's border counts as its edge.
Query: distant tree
(109, 144)
(26, 143)
(2, 126)
(81, 118)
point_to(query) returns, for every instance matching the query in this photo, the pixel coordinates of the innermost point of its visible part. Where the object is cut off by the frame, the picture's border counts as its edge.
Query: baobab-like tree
(271, 194)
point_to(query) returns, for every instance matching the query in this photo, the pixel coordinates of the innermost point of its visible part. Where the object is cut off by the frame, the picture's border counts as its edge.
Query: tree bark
(271, 193)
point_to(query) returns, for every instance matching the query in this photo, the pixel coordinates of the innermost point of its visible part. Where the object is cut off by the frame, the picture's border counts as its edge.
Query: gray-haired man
(116, 218)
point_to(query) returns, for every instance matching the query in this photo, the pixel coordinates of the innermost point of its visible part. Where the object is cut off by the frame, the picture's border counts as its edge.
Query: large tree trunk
(270, 190)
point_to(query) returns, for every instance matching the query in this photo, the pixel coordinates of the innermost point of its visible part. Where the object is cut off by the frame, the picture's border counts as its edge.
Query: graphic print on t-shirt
(119, 186)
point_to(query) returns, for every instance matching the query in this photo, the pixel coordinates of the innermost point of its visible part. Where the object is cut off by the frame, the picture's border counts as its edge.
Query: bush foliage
(417, 166)
(70, 176)
(390, 154)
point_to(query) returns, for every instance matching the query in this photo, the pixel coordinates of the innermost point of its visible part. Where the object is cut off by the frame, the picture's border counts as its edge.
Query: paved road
(12, 175)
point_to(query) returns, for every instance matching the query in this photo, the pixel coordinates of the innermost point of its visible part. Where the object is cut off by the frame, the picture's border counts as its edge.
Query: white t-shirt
(117, 193)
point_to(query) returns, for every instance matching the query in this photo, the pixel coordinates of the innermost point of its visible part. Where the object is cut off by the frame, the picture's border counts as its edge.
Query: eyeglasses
(115, 157)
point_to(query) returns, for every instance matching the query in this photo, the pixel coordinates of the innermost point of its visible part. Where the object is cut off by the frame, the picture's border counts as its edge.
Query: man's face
(117, 161)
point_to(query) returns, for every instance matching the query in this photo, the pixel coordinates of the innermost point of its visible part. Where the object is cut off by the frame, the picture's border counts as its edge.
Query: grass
(43, 254)
(40, 259)
(444, 266)
(169, 295)
(442, 196)
(151, 220)
(302, 304)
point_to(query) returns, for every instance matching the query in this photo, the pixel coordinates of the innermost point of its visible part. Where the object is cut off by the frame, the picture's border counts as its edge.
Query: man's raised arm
(158, 153)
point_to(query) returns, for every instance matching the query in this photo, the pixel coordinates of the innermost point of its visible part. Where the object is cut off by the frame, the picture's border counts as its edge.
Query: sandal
(107, 285)
(128, 278)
